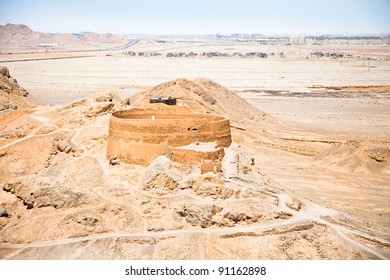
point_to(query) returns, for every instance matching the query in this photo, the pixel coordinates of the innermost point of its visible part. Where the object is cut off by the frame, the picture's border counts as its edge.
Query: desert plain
(307, 175)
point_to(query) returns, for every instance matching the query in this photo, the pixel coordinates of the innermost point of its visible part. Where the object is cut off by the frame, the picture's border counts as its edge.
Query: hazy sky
(201, 16)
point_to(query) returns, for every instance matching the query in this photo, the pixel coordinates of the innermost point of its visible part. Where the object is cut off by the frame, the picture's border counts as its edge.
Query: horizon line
(345, 34)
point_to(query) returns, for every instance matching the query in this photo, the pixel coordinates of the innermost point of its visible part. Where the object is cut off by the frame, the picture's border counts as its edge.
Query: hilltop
(205, 96)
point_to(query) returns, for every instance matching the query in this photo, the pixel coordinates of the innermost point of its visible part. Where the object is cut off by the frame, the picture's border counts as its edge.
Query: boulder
(3, 212)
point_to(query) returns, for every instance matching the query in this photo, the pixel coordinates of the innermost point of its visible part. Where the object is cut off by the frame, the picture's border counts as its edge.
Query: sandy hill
(15, 29)
(13, 96)
(14, 37)
(205, 96)
(60, 198)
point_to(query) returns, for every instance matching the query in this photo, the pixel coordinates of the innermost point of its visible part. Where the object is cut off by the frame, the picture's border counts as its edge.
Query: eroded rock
(379, 154)
(3, 212)
(294, 204)
(43, 194)
(157, 177)
(199, 215)
(13, 96)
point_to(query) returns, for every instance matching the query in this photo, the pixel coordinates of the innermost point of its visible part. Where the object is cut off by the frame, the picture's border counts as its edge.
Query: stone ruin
(166, 100)
(139, 135)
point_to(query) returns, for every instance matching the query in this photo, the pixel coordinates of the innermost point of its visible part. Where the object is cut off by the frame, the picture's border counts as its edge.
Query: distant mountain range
(19, 37)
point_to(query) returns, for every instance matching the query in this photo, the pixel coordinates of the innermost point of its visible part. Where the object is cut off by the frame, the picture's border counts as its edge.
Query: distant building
(46, 45)
(297, 40)
(165, 100)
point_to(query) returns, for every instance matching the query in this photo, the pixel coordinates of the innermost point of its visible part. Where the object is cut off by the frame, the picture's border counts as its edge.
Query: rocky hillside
(13, 96)
(60, 198)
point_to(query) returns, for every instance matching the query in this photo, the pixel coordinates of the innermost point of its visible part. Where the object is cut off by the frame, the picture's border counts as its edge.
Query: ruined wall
(139, 135)
(192, 156)
(214, 167)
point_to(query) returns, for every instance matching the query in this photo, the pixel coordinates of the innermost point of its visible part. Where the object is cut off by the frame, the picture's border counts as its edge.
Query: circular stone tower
(139, 135)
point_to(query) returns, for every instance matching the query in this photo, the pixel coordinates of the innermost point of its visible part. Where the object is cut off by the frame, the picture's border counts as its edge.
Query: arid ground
(306, 177)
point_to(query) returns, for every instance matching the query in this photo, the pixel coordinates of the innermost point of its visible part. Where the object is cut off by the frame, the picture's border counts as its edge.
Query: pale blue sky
(201, 16)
